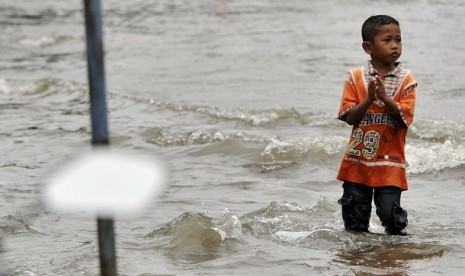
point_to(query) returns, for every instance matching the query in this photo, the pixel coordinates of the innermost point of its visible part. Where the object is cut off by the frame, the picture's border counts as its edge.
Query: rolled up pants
(356, 207)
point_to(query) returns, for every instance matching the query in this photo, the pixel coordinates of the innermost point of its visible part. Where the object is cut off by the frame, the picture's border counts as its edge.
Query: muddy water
(239, 99)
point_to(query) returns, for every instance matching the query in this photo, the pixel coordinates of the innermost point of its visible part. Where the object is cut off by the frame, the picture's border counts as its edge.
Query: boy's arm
(404, 107)
(395, 108)
(355, 114)
(407, 102)
(358, 112)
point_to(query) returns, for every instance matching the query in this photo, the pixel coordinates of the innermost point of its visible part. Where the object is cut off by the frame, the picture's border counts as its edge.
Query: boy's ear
(367, 47)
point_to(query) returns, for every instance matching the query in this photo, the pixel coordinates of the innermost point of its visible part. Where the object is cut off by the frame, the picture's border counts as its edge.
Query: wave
(195, 237)
(167, 138)
(25, 87)
(269, 117)
(140, 14)
(198, 238)
(46, 41)
(437, 130)
(434, 157)
(47, 86)
(422, 156)
(290, 216)
(432, 145)
(56, 94)
(256, 118)
(16, 16)
(14, 224)
(298, 149)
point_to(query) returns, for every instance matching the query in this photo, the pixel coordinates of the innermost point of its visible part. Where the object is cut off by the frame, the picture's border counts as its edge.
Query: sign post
(96, 74)
(105, 183)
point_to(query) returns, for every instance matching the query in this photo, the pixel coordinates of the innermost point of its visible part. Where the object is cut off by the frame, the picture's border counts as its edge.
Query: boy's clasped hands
(376, 89)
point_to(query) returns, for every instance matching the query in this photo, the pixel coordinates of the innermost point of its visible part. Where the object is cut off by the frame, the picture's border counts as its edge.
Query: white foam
(433, 157)
(4, 87)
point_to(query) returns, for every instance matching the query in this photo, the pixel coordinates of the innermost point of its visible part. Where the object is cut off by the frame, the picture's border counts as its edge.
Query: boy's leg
(392, 216)
(356, 206)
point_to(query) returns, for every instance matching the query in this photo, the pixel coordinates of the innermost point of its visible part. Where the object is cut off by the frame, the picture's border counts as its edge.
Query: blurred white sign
(105, 183)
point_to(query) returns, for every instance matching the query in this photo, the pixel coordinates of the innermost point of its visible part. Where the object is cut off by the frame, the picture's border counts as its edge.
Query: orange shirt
(375, 154)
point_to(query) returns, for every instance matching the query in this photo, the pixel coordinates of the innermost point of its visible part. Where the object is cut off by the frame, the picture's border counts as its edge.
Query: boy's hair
(371, 25)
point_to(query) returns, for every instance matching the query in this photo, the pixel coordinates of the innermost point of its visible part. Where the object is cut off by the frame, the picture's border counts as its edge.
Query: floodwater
(239, 99)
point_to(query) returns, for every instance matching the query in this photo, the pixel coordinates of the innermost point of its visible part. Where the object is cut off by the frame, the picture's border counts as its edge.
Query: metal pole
(96, 74)
(106, 238)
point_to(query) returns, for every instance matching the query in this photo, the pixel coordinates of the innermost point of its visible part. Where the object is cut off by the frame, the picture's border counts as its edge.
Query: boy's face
(386, 47)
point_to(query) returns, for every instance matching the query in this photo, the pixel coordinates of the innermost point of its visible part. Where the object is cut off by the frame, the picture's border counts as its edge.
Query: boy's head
(382, 40)
(371, 26)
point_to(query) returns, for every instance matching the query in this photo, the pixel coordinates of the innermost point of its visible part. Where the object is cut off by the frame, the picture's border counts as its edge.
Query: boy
(379, 102)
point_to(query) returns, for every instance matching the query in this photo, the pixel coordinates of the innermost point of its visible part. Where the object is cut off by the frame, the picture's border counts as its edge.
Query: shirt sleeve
(349, 97)
(406, 102)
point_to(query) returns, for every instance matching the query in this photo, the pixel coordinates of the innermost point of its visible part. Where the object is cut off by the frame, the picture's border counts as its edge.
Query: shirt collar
(372, 70)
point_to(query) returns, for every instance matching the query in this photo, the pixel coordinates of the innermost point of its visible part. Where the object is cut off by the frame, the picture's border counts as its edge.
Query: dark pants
(356, 208)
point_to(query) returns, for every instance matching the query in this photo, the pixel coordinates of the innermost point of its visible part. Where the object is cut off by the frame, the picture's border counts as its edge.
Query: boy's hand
(372, 89)
(379, 88)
